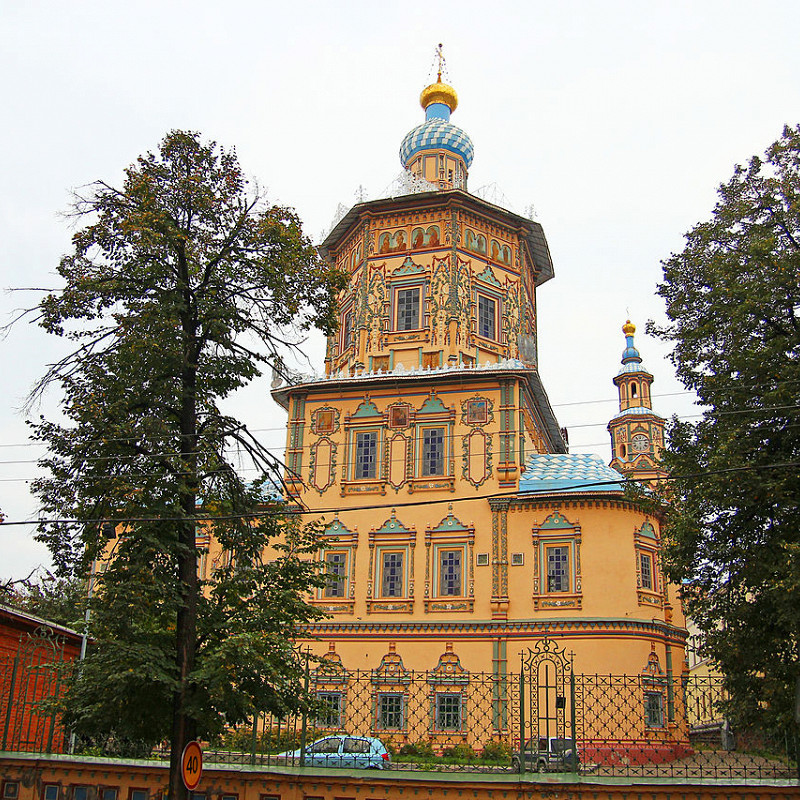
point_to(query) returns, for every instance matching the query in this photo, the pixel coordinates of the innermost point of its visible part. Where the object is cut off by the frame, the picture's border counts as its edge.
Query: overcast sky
(616, 121)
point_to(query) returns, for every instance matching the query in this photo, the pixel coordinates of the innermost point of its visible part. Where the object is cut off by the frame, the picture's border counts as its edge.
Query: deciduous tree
(733, 301)
(181, 287)
(60, 600)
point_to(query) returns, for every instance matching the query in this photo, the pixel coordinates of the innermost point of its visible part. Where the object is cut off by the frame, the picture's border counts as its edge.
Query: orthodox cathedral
(456, 521)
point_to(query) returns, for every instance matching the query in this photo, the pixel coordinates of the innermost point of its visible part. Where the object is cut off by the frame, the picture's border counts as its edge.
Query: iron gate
(548, 710)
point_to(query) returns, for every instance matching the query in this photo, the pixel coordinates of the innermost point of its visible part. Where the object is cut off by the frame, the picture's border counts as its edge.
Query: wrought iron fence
(541, 718)
(31, 682)
(611, 725)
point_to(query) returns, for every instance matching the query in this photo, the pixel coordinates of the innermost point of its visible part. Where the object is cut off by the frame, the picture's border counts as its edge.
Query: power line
(343, 509)
(683, 417)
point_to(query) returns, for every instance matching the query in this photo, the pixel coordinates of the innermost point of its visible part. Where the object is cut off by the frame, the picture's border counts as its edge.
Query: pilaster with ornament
(499, 557)
(507, 467)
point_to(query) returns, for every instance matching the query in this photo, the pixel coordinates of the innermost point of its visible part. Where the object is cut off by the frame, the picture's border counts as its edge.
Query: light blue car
(356, 752)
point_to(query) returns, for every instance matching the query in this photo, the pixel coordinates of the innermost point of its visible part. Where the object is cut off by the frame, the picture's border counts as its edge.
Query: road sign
(192, 765)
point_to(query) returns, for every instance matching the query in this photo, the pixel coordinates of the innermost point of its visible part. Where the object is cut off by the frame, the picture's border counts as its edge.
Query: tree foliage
(52, 598)
(733, 299)
(181, 287)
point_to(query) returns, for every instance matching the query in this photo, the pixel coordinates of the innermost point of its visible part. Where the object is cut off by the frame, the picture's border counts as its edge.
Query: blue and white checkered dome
(437, 133)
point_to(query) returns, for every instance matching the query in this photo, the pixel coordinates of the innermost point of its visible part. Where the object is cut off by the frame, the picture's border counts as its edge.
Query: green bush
(422, 749)
(271, 740)
(496, 752)
(460, 752)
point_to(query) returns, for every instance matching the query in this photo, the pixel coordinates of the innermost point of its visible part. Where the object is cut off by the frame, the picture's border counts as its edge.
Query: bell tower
(637, 432)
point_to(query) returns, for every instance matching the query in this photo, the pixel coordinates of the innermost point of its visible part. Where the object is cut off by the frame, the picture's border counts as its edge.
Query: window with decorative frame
(487, 317)
(654, 686)
(390, 711)
(433, 445)
(449, 576)
(336, 573)
(448, 711)
(433, 457)
(391, 568)
(557, 564)
(649, 589)
(365, 462)
(338, 555)
(346, 338)
(408, 308)
(363, 465)
(330, 712)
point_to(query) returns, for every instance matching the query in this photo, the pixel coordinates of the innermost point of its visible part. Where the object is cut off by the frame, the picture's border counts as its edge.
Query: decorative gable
(556, 521)
(393, 525)
(433, 405)
(366, 409)
(449, 670)
(391, 670)
(450, 523)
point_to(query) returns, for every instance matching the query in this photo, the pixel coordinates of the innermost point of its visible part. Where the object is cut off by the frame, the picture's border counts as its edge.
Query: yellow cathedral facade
(456, 522)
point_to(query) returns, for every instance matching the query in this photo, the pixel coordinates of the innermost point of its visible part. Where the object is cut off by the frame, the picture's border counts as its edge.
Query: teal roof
(568, 472)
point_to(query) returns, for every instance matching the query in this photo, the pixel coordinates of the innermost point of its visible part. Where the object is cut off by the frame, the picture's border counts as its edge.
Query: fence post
(670, 687)
(521, 717)
(12, 687)
(304, 717)
(573, 726)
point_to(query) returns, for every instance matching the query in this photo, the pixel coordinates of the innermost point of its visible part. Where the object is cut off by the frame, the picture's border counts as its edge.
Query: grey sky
(615, 121)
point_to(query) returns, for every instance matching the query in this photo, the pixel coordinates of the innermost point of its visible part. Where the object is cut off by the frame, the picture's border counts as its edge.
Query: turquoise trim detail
(336, 528)
(393, 525)
(367, 409)
(488, 276)
(433, 405)
(647, 530)
(556, 521)
(449, 523)
(408, 267)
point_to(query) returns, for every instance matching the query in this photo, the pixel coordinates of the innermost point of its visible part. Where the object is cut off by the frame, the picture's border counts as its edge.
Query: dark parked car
(547, 754)
(357, 752)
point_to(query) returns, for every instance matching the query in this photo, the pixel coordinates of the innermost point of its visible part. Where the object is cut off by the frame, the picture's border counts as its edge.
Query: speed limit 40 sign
(192, 765)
